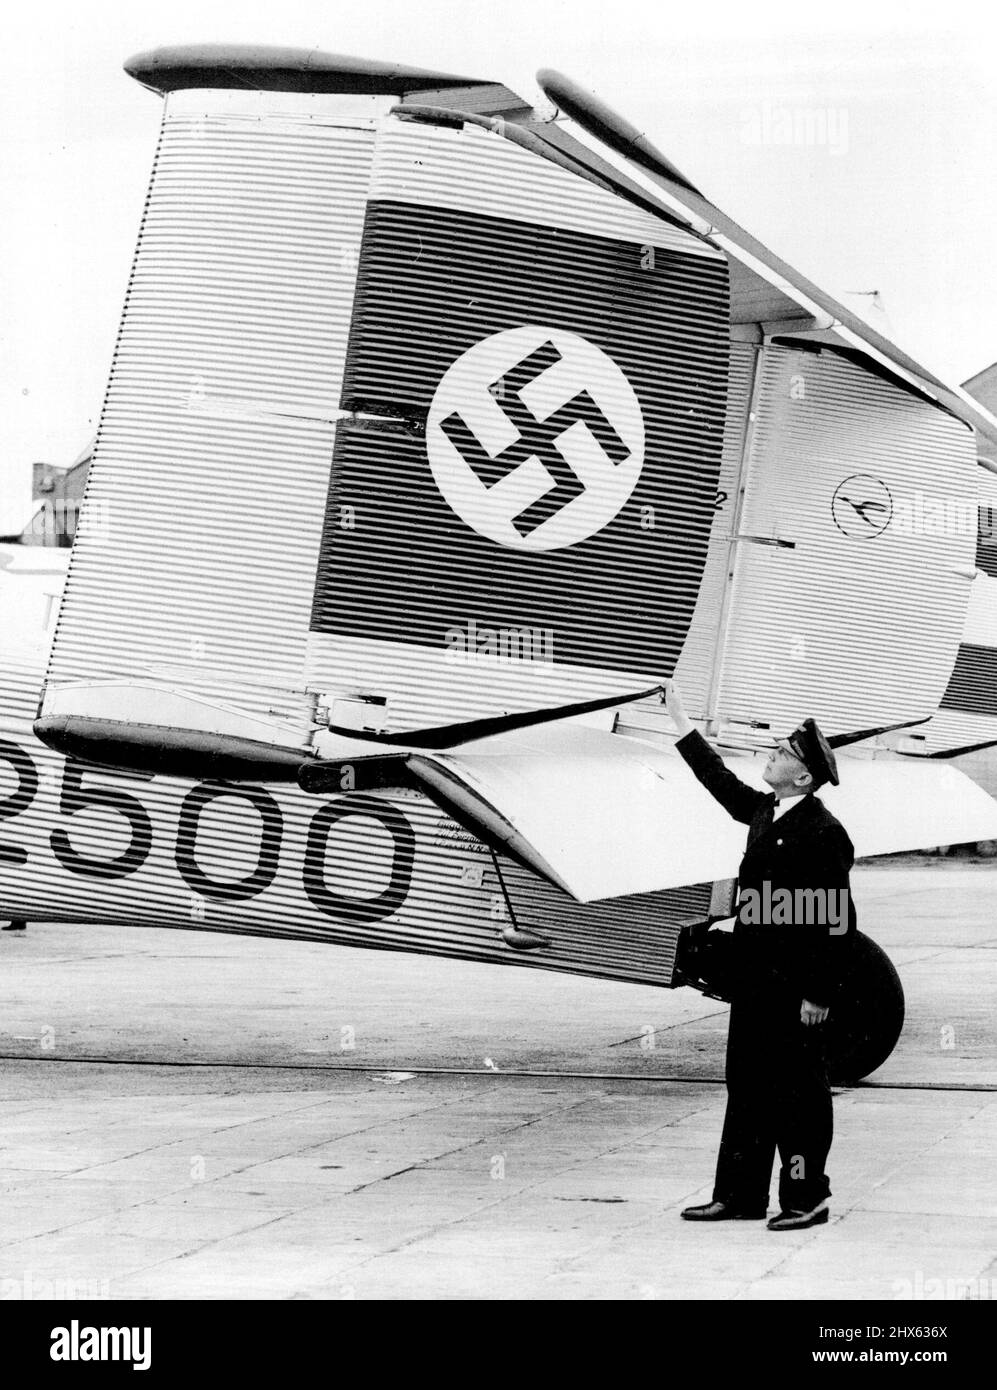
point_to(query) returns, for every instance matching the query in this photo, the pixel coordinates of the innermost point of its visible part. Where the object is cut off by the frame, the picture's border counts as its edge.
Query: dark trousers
(778, 1097)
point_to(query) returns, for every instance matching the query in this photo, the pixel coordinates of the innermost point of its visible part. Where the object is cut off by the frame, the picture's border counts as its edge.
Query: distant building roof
(19, 524)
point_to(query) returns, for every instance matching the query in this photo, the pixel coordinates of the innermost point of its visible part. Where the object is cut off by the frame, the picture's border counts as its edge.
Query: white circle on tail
(535, 438)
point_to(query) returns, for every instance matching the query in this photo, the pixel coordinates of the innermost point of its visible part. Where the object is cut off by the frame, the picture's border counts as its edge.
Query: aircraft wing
(601, 816)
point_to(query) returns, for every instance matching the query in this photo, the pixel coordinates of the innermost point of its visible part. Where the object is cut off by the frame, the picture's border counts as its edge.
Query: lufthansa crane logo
(535, 438)
(862, 506)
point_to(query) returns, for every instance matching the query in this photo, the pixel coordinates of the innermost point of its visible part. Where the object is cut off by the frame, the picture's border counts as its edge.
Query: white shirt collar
(785, 804)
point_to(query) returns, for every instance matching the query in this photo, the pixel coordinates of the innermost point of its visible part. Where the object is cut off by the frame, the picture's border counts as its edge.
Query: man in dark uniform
(795, 924)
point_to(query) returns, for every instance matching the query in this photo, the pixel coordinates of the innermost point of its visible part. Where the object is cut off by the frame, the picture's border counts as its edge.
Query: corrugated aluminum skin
(196, 556)
(968, 711)
(468, 237)
(959, 720)
(697, 664)
(20, 677)
(694, 671)
(476, 171)
(842, 607)
(489, 98)
(972, 687)
(387, 872)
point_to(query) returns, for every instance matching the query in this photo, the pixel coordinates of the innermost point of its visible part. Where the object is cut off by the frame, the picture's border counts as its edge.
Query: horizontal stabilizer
(172, 752)
(263, 68)
(602, 816)
(141, 726)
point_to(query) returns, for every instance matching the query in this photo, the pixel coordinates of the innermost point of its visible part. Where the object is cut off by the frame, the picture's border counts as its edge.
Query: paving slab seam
(460, 1148)
(671, 1027)
(223, 1128)
(530, 1187)
(429, 1231)
(325, 1099)
(235, 1172)
(68, 1226)
(486, 1205)
(304, 1148)
(898, 1168)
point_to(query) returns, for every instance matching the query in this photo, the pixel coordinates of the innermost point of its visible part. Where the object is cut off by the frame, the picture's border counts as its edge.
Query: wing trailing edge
(602, 816)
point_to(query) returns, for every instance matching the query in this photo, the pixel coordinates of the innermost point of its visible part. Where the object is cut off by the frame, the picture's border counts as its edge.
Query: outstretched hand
(676, 709)
(812, 1013)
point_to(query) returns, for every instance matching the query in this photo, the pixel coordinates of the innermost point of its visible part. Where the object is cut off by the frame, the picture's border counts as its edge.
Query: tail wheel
(866, 1019)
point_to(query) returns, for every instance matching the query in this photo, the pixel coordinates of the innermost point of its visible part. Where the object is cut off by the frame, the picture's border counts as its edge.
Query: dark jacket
(798, 948)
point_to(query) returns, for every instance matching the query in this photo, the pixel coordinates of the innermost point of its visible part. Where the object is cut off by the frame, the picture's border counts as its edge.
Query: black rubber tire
(868, 1017)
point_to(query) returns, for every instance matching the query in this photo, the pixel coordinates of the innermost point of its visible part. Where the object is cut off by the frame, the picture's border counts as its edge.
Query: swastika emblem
(535, 438)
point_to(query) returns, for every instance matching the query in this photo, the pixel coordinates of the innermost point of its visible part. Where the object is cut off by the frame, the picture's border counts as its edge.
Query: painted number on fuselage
(402, 858)
(79, 793)
(268, 858)
(76, 797)
(20, 799)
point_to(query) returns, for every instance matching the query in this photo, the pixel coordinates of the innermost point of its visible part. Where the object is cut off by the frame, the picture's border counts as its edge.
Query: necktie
(763, 820)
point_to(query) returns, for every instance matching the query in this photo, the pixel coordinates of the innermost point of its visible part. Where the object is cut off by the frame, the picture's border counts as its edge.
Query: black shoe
(723, 1211)
(16, 925)
(800, 1220)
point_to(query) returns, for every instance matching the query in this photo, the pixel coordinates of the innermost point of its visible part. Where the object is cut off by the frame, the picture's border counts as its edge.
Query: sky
(858, 140)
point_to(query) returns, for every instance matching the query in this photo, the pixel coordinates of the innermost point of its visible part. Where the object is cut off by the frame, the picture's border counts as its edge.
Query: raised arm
(736, 797)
